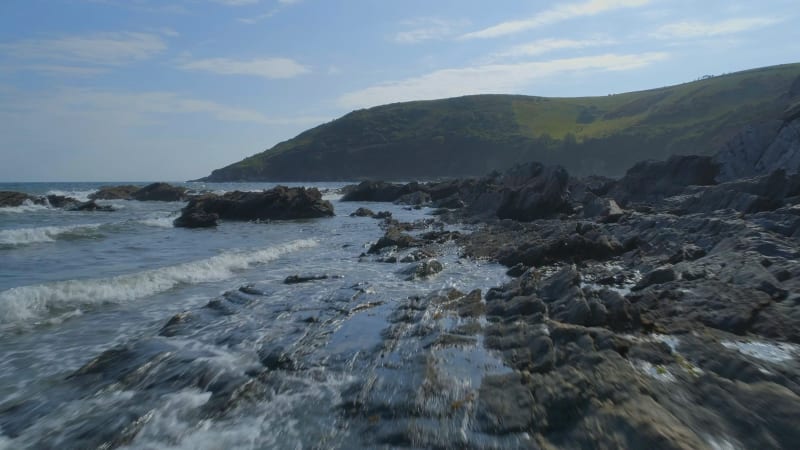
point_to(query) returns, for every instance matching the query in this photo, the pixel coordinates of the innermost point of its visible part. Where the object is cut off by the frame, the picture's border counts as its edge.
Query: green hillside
(476, 134)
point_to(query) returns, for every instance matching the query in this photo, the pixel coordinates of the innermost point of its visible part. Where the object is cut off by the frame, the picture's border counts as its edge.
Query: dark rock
(533, 191)
(393, 238)
(762, 148)
(505, 405)
(114, 193)
(11, 199)
(274, 359)
(279, 203)
(60, 201)
(382, 215)
(374, 191)
(162, 192)
(688, 252)
(660, 275)
(602, 210)
(655, 180)
(424, 269)
(414, 198)
(363, 212)
(297, 279)
(747, 196)
(196, 218)
(91, 206)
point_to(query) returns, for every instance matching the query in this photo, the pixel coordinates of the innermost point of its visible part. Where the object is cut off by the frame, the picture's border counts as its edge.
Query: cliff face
(760, 149)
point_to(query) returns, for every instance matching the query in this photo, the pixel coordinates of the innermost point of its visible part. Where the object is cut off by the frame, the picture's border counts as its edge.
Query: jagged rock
(533, 191)
(660, 275)
(297, 279)
(424, 269)
(90, 206)
(375, 191)
(393, 238)
(655, 180)
(114, 193)
(162, 192)
(414, 198)
(10, 199)
(363, 212)
(196, 219)
(279, 203)
(602, 209)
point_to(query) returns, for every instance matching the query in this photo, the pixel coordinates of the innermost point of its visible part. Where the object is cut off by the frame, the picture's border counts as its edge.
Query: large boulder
(377, 191)
(279, 203)
(533, 191)
(163, 192)
(654, 180)
(114, 192)
(750, 195)
(10, 199)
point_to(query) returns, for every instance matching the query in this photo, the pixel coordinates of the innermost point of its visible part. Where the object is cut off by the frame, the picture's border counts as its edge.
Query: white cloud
(492, 78)
(543, 46)
(425, 29)
(693, 29)
(141, 108)
(105, 49)
(556, 14)
(258, 18)
(260, 67)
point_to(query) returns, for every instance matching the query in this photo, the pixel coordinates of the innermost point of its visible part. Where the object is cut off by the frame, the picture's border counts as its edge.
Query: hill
(474, 135)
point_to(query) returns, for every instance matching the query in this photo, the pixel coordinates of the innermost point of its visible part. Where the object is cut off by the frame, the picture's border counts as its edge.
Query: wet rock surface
(279, 203)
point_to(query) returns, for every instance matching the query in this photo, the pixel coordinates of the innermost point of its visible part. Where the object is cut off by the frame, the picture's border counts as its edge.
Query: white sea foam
(26, 206)
(33, 303)
(163, 222)
(25, 236)
(77, 195)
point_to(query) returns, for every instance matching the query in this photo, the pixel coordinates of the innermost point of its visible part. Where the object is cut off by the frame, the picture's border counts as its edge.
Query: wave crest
(31, 303)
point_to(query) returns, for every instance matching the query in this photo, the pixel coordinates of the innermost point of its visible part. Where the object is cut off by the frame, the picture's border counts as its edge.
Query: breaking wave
(31, 303)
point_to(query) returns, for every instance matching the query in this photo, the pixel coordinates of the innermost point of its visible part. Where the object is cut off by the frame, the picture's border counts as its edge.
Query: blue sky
(171, 89)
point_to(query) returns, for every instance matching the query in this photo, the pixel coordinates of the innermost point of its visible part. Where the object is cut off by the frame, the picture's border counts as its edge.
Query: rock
(114, 193)
(655, 180)
(60, 201)
(374, 191)
(533, 191)
(414, 198)
(162, 192)
(765, 193)
(279, 203)
(91, 206)
(196, 219)
(296, 279)
(661, 275)
(393, 238)
(505, 405)
(424, 269)
(688, 252)
(762, 148)
(363, 212)
(382, 215)
(602, 210)
(11, 199)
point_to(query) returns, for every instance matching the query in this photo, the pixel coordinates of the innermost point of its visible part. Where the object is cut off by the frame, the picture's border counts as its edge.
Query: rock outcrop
(279, 203)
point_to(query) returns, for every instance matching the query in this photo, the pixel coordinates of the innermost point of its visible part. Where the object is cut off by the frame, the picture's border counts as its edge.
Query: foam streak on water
(24, 236)
(26, 303)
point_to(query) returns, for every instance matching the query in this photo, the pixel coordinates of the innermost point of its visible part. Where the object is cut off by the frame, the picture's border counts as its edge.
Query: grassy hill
(476, 134)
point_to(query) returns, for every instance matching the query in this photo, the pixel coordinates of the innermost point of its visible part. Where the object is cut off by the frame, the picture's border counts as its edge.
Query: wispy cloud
(542, 46)
(102, 49)
(492, 78)
(426, 29)
(142, 108)
(556, 14)
(694, 29)
(259, 67)
(259, 17)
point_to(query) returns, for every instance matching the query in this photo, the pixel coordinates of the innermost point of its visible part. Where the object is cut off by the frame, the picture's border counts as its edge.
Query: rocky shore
(660, 310)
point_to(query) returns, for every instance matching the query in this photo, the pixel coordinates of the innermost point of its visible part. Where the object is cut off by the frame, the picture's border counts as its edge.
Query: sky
(146, 90)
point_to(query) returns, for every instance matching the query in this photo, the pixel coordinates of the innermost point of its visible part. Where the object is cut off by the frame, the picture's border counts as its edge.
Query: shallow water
(268, 366)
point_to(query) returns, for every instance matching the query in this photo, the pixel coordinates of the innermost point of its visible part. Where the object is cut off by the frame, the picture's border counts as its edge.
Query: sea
(85, 298)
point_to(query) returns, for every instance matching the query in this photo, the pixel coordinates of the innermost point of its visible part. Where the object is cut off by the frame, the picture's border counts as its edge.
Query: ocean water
(74, 285)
